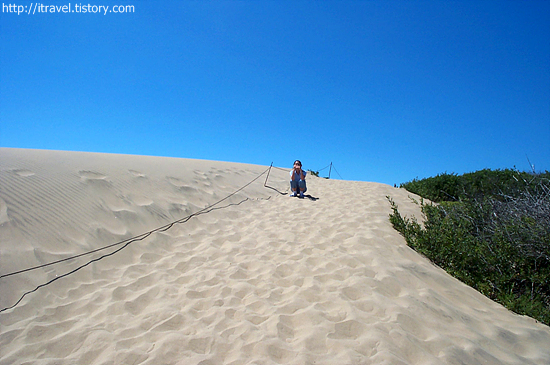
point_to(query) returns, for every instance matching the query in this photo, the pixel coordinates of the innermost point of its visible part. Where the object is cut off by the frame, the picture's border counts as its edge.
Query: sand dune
(261, 279)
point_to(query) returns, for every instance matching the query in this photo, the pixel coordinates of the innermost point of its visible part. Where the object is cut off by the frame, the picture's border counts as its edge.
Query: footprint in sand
(181, 185)
(137, 173)
(23, 172)
(349, 330)
(175, 181)
(91, 175)
(94, 179)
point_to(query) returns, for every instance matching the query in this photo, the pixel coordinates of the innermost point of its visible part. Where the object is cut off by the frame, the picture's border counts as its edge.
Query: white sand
(272, 280)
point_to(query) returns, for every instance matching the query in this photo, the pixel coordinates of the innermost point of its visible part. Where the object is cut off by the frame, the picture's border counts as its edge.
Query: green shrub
(494, 234)
(314, 173)
(475, 185)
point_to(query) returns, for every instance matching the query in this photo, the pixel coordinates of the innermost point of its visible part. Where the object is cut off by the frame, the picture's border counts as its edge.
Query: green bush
(314, 173)
(494, 234)
(475, 185)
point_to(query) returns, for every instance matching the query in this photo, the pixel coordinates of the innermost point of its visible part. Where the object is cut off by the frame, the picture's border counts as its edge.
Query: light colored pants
(299, 185)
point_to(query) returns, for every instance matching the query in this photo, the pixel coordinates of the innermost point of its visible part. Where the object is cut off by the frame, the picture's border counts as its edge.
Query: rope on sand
(125, 243)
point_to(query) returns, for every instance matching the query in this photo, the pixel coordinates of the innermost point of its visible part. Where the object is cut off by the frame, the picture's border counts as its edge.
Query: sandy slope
(263, 279)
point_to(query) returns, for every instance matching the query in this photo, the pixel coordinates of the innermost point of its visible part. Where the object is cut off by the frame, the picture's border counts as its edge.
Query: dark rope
(270, 187)
(159, 229)
(337, 172)
(126, 242)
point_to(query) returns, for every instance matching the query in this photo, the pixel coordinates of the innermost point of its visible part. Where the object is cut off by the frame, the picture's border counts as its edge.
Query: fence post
(267, 177)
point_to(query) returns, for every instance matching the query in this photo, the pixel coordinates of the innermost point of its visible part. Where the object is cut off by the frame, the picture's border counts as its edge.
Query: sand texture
(261, 279)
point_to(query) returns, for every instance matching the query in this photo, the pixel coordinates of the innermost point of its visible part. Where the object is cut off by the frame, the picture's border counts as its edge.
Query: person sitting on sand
(298, 180)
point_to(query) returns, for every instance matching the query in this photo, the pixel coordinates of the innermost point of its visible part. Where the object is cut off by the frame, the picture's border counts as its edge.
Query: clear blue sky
(386, 90)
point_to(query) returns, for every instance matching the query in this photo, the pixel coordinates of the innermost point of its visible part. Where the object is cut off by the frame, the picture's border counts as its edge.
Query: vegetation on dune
(491, 230)
(314, 173)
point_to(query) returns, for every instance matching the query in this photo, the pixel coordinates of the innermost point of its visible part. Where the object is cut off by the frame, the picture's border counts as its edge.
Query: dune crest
(260, 279)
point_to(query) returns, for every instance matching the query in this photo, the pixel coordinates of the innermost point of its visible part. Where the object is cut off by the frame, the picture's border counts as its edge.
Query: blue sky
(385, 90)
